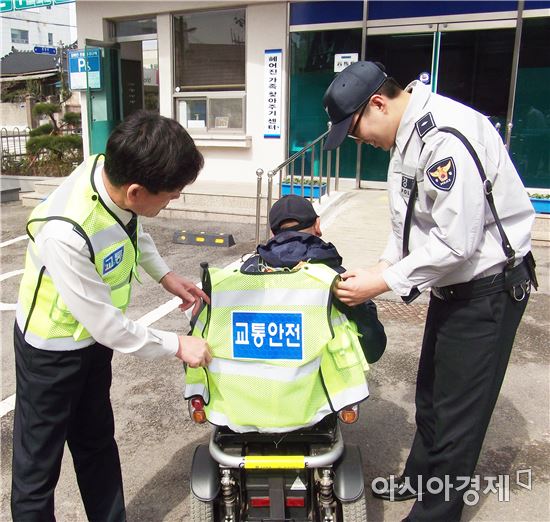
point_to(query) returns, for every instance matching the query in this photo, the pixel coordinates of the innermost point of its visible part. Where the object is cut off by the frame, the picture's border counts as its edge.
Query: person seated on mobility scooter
(285, 360)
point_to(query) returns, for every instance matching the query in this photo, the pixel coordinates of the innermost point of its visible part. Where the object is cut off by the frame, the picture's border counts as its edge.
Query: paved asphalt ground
(156, 438)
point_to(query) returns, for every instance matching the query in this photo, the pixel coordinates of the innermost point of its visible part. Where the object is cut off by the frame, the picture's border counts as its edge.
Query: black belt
(515, 280)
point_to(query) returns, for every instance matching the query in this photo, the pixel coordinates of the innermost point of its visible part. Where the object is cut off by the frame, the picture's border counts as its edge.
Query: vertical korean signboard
(273, 92)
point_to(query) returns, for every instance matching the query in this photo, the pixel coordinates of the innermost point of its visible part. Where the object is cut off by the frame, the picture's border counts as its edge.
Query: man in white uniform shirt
(461, 222)
(86, 243)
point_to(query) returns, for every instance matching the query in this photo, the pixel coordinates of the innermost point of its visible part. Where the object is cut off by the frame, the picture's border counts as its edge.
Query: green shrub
(72, 118)
(47, 128)
(45, 108)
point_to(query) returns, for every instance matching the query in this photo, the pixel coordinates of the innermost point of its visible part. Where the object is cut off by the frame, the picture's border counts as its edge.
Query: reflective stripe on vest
(288, 296)
(249, 393)
(46, 320)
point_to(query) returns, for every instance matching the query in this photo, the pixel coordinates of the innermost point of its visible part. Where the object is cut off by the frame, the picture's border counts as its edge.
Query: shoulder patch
(442, 174)
(425, 124)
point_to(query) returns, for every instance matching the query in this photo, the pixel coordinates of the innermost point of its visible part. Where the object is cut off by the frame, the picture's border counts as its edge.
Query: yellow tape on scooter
(274, 462)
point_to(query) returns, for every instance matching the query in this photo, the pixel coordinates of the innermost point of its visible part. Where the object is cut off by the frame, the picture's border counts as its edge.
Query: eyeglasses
(351, 134)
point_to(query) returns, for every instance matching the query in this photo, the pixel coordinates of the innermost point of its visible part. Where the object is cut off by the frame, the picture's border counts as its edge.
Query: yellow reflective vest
(283, 356)
(46, 321)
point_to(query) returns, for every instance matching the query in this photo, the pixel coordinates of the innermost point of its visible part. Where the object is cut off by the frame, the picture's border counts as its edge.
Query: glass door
(475, 66)
(469, 62)
(103, 92)
(407, 54)
(311, 72)
(530, 140)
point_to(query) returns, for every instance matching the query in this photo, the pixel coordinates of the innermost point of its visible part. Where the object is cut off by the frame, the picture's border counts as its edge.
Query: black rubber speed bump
(202, 239)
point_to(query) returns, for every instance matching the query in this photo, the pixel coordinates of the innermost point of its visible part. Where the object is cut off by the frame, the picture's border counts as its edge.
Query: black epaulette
(425, 124)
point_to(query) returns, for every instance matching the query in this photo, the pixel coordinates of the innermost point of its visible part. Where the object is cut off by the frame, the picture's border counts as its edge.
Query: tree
(52, 150)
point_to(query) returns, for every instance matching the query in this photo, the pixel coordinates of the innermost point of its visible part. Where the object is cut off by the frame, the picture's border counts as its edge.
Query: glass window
(311, 72)
(209, 51)
(209, 63)
(475, 68)
(50, 38)
(19, 36)
(149, 51)
(406, 56)
(531, 131)
(211, 112)
(135, 27)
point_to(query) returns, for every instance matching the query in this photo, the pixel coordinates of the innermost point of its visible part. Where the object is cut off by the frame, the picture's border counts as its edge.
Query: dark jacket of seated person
(297, 237)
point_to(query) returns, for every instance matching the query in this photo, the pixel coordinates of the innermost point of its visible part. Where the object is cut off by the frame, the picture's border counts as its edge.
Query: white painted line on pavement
(161, 311)
(149, 318)
(7, 275)
(4, 307)
(7, 405)
(14, 240)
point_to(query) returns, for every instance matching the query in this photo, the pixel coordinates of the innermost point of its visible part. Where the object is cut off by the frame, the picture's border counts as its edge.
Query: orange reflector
(196, 410)
(199, 416)
(349, 415)
(295, 502)
(259, 502)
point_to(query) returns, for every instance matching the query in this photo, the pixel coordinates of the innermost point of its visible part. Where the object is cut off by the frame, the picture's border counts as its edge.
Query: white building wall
(39, 21)
(266, 28)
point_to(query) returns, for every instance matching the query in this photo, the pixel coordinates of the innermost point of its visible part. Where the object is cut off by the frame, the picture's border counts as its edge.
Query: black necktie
(131, 228)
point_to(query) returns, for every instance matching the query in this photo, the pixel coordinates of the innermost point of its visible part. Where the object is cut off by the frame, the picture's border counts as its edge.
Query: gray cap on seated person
(351, 89)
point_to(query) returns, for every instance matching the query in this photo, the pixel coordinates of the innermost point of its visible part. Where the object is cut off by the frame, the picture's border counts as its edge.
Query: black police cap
(352, 88)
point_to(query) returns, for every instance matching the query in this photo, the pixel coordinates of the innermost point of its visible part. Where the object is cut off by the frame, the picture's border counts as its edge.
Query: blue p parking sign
(79, 61)
(267, 335)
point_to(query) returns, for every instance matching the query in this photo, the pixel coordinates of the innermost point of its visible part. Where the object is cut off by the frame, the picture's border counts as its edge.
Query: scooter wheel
(201, 511)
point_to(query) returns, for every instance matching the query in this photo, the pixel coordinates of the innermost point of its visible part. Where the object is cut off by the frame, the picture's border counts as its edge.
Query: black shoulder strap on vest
(488, 188)
(425, 124)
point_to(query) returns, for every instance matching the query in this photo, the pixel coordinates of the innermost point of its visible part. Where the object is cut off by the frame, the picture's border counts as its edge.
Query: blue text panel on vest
(267, 335)
(113, 260)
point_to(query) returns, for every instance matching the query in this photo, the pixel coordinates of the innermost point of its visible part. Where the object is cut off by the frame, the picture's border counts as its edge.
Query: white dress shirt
(66, 257)
(453, 237)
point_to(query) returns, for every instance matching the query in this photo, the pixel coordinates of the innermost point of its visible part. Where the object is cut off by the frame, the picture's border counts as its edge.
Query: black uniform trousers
(64, 396)
(465, 352)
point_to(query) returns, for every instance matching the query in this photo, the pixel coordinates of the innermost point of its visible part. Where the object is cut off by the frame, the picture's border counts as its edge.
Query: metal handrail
(302, 151)
(290, 165)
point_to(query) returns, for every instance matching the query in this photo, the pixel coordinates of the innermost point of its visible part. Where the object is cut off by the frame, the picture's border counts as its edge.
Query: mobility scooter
(259, 470)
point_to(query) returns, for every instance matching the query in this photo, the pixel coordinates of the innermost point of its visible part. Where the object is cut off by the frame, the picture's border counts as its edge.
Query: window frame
(209, 96)
(209, 93)
(133, 37)
(19, 40)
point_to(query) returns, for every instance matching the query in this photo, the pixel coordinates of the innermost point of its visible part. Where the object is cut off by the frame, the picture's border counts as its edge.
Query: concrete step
(9, 194)
(202, 214)
(219, 204)
(541, 230)
(48, 185)
(9, 190)
(31, 199)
